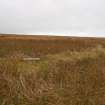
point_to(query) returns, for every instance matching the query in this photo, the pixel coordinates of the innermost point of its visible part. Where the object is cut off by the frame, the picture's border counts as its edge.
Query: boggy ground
(72, 72)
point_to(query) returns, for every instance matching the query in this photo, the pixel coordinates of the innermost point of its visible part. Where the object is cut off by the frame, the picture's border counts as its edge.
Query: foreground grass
(68, 78)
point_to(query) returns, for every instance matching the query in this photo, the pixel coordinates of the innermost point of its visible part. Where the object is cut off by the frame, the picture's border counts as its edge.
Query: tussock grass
(67, 78)
(78, 55)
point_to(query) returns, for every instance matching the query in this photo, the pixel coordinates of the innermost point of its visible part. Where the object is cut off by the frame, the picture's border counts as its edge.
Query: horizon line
(58, 34)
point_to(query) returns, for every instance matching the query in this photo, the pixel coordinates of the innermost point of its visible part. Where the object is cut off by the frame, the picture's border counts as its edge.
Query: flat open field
(70, 71)
(43, 45)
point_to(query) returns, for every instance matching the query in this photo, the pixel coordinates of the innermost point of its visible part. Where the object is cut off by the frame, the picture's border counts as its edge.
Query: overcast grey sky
(68, 17)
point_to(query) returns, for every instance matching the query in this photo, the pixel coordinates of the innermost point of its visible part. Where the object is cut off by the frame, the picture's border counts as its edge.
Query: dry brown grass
(41, 46)
(55, 81)
(65, 75)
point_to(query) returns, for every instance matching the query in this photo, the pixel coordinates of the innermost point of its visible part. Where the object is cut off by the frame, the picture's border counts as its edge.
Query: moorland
(71, 70)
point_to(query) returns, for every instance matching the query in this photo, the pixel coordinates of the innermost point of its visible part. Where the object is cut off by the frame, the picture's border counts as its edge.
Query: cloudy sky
(65, 17)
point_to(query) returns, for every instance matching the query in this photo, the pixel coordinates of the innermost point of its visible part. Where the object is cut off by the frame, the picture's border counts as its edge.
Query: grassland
(71, 71)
